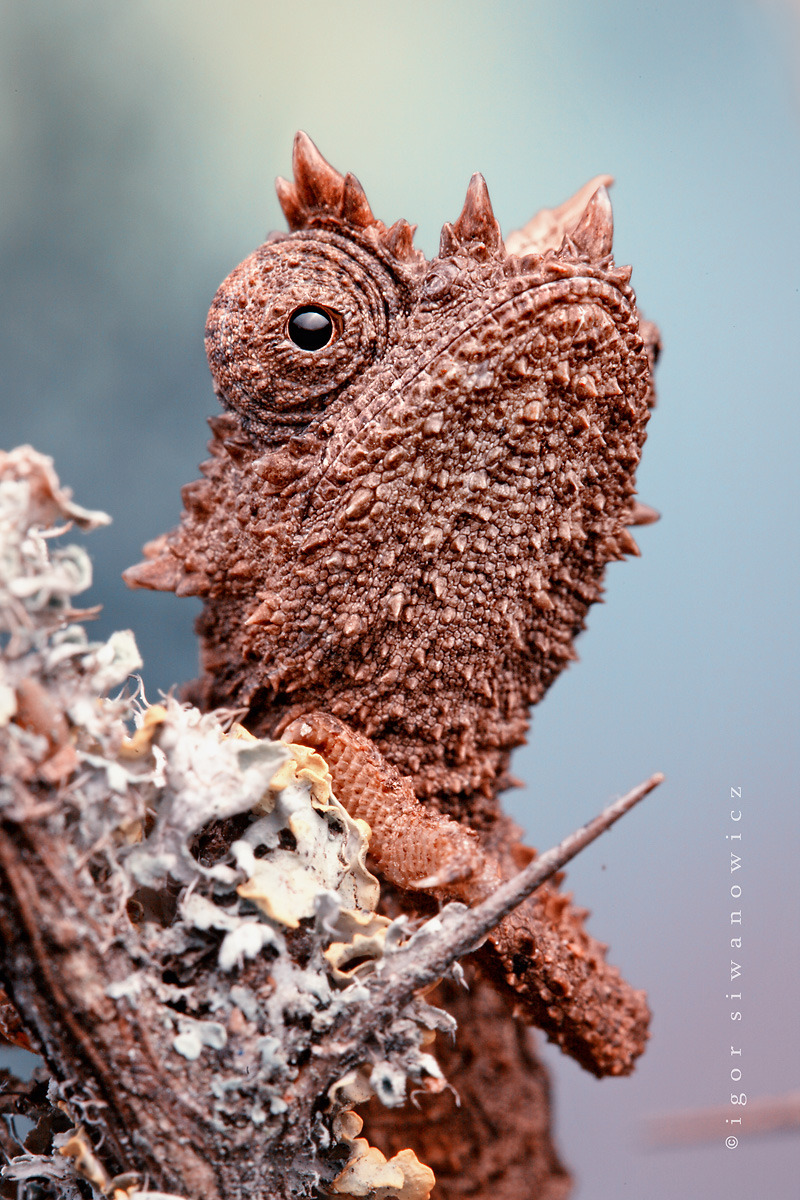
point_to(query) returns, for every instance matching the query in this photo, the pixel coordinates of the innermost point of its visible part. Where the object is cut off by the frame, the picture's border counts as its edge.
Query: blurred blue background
(138, 146)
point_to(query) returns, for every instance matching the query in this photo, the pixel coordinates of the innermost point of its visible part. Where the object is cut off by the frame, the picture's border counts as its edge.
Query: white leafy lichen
(288, 904)
(329, 851)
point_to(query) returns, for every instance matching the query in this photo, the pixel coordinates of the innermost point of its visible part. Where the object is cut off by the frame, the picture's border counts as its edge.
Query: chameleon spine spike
(318, 184)
(594, 233)
(355, 206)
(546, 229)
(289, 201)
(628, 543)
(477, 222)
(399, 240)
(643, 514)
(156, 575)
(319, 190)
(448, 241)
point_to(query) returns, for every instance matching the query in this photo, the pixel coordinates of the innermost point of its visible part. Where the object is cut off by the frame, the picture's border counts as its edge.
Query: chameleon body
(421, 472)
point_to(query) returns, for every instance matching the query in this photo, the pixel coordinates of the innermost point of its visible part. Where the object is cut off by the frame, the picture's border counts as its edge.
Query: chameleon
(421, 470)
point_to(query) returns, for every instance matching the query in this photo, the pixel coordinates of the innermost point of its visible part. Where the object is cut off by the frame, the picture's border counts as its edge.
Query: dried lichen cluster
(198, 904)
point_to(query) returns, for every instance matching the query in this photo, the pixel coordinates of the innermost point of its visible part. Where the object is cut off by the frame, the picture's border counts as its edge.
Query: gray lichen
(221, 869)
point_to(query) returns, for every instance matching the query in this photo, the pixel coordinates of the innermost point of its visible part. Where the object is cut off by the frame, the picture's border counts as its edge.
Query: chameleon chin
(420, 473)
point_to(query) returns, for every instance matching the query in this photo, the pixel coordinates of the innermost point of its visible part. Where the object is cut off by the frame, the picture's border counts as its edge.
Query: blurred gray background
(138, 145)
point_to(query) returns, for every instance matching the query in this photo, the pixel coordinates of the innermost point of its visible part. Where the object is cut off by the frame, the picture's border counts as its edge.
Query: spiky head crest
(320, 194)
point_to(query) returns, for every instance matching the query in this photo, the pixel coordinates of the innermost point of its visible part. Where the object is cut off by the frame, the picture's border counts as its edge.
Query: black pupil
(310, 328)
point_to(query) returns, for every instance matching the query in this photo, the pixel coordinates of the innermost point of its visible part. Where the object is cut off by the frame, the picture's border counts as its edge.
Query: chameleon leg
(540, 955)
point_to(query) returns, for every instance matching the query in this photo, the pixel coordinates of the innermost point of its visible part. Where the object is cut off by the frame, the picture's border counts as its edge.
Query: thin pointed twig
(426, 965)
(416, 966)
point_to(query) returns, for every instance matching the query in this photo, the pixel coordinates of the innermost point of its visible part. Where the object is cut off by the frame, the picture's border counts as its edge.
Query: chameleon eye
(311, 327)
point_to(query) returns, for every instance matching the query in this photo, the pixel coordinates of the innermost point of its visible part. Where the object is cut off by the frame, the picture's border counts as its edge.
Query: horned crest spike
(545, 230)
(289, 201)
(318, 188)
(399, 240)
(477, 222)
(320, 192)
(594, 233)
(448, 242)
(355, 206)
(318, 184)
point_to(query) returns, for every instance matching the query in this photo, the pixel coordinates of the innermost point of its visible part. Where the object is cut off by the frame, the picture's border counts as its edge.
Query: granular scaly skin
(403, 524)
(406, 527)
(409, 842)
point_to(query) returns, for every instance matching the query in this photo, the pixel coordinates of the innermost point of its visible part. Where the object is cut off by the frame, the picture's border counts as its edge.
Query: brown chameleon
(420, 475)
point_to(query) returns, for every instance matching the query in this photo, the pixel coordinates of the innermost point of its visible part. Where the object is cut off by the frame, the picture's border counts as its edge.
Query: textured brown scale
(410, 844)
(405, 527)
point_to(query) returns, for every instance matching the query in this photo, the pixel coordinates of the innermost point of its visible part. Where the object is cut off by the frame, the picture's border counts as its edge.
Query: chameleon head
(421, 473)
